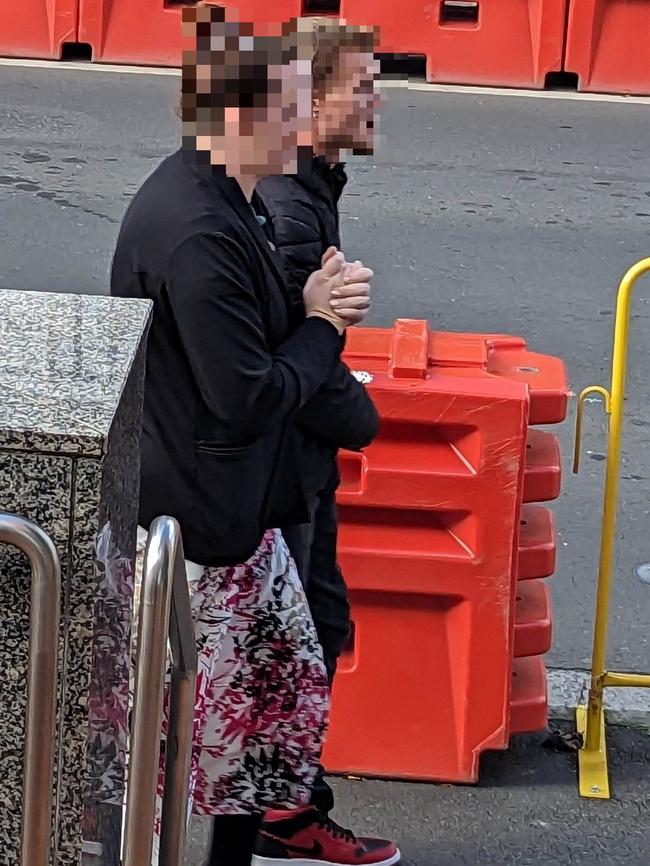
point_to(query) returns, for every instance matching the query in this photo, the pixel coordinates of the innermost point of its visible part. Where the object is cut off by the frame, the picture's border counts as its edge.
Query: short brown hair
(330, 38)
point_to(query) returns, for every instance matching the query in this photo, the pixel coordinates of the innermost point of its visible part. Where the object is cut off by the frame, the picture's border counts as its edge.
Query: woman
(225, 377)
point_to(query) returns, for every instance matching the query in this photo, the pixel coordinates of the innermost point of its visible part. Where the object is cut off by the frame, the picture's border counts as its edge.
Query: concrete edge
(387, 83)
(568, 688)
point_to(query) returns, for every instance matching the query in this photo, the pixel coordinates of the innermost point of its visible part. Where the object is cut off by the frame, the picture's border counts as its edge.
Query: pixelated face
(246, 95)
(346, 111)
(267, 139)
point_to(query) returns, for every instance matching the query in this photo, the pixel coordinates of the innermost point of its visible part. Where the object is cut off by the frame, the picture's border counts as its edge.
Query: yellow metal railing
(165, 619)
(594, 778)
(42, 677)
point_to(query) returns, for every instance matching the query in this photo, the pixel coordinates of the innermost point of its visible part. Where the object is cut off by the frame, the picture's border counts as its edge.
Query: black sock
(233, 839)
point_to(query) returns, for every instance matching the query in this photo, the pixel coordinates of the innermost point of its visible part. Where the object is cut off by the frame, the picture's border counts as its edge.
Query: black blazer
(225, 374)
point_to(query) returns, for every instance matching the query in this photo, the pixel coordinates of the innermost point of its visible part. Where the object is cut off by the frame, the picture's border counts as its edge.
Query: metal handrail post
(180, 730)
(165, 615)
(42, 679)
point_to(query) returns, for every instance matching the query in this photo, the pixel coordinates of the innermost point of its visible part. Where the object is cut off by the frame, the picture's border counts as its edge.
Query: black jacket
(226, 372)
(302, 213)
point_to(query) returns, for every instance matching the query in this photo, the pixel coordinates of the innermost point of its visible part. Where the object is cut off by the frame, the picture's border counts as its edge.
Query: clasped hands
(339, 292)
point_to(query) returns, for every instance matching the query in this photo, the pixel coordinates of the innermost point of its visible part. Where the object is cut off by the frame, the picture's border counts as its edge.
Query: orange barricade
(445, 659)
(546, 380)
(536, 543)
(37, 28)
(532, 619)
(495, 42)
(149, 31)
(607, 45)
(543, 477)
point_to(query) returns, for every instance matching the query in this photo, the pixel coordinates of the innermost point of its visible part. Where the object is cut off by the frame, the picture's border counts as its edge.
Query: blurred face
(274, 137)
(246, 97)
(345, 112)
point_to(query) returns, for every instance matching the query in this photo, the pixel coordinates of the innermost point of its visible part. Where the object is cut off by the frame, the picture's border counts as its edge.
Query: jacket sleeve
(341, 412)
(217, 312)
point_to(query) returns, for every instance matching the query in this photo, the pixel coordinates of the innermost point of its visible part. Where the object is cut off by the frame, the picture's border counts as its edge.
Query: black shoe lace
(336, 831)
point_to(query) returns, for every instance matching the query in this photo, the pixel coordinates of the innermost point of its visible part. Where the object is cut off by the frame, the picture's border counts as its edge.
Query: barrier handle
(614, 406)
(42, 679)
(165, 615)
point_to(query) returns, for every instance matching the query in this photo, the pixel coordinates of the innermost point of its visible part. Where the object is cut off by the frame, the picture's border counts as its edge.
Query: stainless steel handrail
(165, 616)
(41, 684)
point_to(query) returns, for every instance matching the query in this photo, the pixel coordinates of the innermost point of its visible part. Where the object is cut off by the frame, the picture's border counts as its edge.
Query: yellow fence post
(592, 765)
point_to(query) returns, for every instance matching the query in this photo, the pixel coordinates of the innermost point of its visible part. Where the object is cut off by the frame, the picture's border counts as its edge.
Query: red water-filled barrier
(608, 45)
(123, 31)
(510, 43)
(37, 28)
(491, 42)
(443, 560)
(148, 32)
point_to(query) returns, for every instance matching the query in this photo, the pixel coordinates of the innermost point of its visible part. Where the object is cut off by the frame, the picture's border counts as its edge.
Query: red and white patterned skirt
(262, 695)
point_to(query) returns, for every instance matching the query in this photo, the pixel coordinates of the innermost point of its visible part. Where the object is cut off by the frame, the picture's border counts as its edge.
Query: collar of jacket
(228, 188)
(325, 180)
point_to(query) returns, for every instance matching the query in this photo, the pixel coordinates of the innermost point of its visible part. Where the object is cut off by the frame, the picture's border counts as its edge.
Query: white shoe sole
(271, 861)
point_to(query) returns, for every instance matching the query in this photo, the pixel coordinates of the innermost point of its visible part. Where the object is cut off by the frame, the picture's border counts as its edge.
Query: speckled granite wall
(71, 374)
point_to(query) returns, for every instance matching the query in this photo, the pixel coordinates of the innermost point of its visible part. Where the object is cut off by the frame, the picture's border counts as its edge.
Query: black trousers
(233, 839)
(313, 547)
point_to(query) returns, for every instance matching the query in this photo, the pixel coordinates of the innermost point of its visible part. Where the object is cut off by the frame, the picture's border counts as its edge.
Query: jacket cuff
(324, 334)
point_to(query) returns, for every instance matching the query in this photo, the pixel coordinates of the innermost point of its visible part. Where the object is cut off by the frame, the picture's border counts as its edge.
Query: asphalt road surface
(479, 212)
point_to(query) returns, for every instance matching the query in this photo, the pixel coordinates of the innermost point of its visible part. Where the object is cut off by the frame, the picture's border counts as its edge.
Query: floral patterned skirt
(262, 695)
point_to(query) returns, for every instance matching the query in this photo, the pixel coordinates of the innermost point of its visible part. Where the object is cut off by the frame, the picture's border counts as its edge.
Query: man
(301, 214)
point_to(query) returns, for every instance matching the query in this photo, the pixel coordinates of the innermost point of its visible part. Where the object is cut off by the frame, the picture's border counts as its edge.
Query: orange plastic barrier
(37, 28)
(444, 563)
(543, 477)
(148, 32)
(528, 710)
(494, 42)
(431, 549)
(533, 629)
(489, 356)
(537, 543)
(607, 45)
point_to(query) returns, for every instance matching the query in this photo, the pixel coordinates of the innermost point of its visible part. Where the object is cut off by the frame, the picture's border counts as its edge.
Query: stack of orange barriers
(512, 43)
(443, 554)
(37, 28)
(149, 31)
(607, 45)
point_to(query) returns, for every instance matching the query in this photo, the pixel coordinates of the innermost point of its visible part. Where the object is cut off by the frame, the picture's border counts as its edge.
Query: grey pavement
(479, 212)
(525, 812)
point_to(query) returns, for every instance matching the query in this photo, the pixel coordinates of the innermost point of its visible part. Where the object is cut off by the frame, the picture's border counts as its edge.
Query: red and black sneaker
(306, 837)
